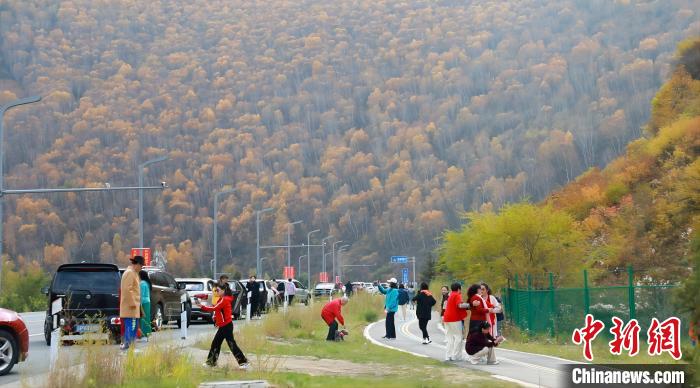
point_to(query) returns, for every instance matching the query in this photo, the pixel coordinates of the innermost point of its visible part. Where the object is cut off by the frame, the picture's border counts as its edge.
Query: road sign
(404, 275)
(323, 277)
(288, 272)
(399, 259)
(145, 252)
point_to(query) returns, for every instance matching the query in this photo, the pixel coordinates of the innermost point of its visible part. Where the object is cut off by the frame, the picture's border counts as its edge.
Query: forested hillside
(378, 122)
(642, 209)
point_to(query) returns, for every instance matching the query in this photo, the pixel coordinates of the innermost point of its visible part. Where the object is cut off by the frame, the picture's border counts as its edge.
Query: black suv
(90, 294)
(165, 298)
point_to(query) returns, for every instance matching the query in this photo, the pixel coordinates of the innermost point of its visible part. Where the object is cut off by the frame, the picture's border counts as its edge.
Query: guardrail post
(631, 301)
(529, 302)
(552, 313)
(586, 294)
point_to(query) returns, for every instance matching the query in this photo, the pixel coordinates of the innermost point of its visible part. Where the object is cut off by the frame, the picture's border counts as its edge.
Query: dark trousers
(390, 328)
(254, 307)
(290, 298)
(423, 325)
(225, 333)
(332, 328)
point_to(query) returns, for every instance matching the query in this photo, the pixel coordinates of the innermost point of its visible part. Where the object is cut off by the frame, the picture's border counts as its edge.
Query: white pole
(248, 308)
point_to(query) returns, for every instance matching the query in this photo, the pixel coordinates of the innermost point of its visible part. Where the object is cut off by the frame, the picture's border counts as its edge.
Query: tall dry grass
(106, 366)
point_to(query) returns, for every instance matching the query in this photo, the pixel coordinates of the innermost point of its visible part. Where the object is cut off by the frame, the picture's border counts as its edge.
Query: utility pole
(340, 255)
(323, 251)
(141, 167)
(333, 250)
(289, 241)
(216, 227)
(258, 261)
(308, 256)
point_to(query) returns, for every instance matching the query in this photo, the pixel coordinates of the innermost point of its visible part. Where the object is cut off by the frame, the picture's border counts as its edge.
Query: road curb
(378, 343)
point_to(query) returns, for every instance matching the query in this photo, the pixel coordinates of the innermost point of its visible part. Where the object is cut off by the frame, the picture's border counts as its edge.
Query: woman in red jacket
(222, 320)
(332, 311)
(455, 313)
(478, 307)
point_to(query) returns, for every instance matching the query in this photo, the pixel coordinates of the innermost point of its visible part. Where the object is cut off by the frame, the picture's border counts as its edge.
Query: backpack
(403, 296)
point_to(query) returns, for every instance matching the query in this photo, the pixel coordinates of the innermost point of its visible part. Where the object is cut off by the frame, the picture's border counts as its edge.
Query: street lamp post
(333, 250)
(299, 262)
(258, 261)
(323, 251)
(216, 217)
(324, 261)
(289, 241)
(4, 108)
(340, 251)
(142, 166)
(308, 256)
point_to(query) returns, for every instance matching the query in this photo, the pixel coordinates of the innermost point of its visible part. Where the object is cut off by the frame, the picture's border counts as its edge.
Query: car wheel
(47, 333)
(158, 318)
(9, 352)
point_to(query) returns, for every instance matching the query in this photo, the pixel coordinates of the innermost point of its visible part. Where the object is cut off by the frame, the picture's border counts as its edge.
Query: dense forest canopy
(378, 122)
(641, 210)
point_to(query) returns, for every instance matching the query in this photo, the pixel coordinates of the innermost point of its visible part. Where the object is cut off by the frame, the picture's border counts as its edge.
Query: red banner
(323, 277)
(288, 272)
(145, 252)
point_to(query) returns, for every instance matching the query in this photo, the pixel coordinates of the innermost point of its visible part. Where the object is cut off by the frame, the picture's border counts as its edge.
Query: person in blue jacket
(391, 305)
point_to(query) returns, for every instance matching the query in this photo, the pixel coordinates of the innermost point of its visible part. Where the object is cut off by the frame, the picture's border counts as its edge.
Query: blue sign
(404, 273)
(399, 259)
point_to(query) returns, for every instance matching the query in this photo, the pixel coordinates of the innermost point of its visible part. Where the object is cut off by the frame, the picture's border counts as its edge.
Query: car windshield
(92, 280)
(193, 286)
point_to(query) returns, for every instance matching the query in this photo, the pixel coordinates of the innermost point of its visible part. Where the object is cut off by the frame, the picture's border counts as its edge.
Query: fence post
(552, 313)
(632, 302)
(586, 295)
(529, 303)
(516, 281)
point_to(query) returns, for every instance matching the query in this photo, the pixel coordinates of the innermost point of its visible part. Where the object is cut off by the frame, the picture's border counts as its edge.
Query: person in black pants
(424, 304)
(254, 300)
(222, 320)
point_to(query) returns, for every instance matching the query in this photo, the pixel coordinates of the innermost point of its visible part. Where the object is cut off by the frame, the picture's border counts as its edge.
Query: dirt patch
(302, 364)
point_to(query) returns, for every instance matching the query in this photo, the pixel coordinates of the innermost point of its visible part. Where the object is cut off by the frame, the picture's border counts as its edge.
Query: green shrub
(371, 316)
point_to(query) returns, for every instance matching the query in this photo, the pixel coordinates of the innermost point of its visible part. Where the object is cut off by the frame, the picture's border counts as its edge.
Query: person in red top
(331, 312)
(222, 320)
(455, 313)
(478, 307)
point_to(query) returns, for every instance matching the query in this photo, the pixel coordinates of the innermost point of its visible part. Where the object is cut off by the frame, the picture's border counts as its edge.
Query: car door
(172, 296)
(302, 293)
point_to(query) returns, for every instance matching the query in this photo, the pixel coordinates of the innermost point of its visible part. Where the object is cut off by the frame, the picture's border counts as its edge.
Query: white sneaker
(425, 342)
(494, 363)
(208, 365)
(474, 361)
(244, 366)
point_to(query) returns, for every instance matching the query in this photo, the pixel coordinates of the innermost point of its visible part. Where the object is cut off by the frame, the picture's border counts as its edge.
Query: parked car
(266, 293)
(90, 294)
(166, 296)
(200, 292)
(302, 294)
(370, 288)
(325, 289)
(14, 340)
(240, 298)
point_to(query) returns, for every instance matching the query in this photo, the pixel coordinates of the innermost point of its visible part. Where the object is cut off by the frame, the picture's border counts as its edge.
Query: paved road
(527, 369)
(39, 352)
